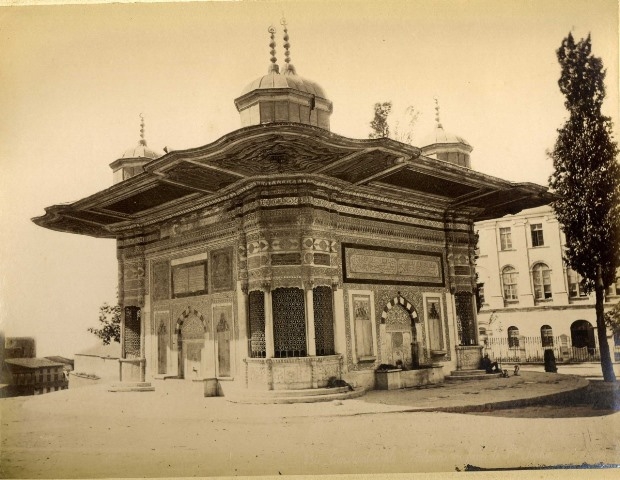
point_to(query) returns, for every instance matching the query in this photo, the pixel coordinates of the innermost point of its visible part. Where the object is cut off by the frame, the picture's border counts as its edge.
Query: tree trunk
(606, 364)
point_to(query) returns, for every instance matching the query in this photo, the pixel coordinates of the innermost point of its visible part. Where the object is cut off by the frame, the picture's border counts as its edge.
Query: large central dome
(288, 80)
(283, 97)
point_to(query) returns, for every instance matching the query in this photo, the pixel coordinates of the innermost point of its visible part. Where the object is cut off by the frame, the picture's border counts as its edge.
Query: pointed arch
(403, 302)
(185, 315)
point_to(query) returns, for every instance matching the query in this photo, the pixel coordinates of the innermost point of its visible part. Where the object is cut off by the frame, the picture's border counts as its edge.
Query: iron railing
(531, 349)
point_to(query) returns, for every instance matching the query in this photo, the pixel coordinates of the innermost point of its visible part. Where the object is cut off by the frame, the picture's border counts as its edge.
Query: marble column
(310, 333)
(269, 342)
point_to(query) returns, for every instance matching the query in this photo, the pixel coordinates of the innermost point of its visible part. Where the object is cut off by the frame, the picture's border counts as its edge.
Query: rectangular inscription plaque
(365, 264)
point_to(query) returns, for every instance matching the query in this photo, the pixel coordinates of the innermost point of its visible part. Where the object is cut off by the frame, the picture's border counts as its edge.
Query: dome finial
(437, 113)
(288, 67)
(273, 68)
(142, 140)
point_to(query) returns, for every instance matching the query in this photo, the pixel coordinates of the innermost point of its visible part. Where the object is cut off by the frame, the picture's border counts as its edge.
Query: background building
(530, 299)
(21, 373)
(34, 376)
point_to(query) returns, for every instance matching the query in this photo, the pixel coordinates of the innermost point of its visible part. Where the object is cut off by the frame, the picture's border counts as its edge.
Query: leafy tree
(110, 322)
(403, 126)
(403, 130)
(612, 319)
(586, 179)
(379, 124)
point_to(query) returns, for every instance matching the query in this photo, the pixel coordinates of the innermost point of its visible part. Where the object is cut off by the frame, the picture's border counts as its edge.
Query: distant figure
(334, 382)
(550, 361)
(488, 366)
(517, 368)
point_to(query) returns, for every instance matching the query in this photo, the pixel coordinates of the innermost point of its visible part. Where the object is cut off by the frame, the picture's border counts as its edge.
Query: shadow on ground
(599, 399)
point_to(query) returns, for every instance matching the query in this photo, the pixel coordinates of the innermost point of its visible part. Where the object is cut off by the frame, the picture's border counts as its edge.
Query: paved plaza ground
(175, 432)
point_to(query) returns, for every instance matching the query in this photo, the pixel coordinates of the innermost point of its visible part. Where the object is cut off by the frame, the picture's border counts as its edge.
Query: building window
(131, 333)
(513, 337)
(256, 318)
(575, 288)
(189, 279)
(546, 336)
(323, 320)
(541, 276)
(509, 282)
(505, 238)
(289, 322)
(537, 235)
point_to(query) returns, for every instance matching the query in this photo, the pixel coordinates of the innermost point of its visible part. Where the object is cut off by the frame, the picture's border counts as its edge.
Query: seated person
(488, 366)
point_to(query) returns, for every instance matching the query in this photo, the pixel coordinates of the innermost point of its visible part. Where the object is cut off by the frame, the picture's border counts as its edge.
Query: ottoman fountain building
(282, 254)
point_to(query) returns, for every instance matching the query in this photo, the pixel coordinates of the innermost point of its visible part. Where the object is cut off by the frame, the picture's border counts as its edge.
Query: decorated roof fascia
(381, 167)
(441, 147)
(291, 130)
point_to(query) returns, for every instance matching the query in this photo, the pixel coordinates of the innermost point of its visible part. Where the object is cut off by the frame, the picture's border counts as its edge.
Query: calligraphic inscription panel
(391, 266)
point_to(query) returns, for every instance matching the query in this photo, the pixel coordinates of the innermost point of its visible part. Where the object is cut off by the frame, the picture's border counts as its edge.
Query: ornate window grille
(323, 320)
(132, 332)
(289, 322)
(465, 313)
(256, 300)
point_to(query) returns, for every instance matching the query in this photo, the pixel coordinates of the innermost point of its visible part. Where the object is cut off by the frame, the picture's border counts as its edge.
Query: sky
(74, 80)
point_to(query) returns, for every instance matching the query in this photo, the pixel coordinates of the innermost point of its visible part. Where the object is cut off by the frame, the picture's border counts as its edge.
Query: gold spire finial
(437, 113)
(273, 68)
(142, 139)
(288, 67)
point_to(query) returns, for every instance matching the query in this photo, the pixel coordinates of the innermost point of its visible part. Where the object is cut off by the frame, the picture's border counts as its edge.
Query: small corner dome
(440, 137)
(141, 151)
(288, 80)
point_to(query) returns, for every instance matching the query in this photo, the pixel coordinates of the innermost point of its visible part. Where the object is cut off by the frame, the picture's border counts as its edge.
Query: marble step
(292, 396)
(464, 375)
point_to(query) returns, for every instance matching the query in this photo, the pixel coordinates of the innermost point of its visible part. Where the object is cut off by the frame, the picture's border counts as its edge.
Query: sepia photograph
(311, 238)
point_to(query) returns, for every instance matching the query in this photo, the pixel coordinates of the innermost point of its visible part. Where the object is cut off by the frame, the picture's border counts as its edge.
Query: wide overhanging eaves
(281, 149)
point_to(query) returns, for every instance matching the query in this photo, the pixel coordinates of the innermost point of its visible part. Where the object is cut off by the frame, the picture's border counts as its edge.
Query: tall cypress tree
(586, 178)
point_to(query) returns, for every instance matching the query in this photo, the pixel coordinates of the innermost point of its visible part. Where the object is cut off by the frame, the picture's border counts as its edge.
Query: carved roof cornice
(383, 171)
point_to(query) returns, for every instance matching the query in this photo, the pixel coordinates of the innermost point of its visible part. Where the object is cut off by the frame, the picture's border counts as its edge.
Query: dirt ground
(94, 434)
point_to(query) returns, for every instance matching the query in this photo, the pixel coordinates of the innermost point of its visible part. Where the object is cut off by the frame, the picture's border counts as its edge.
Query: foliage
(403, 127)
(379, 124)
(612, 319)
(110, 322)
(404, 133)
(587, 175)
(586, 179)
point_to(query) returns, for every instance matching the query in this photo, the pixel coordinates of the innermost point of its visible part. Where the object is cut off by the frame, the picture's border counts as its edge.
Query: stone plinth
(291, 373)
(395, 379)
(131, 369)
(468, 357)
